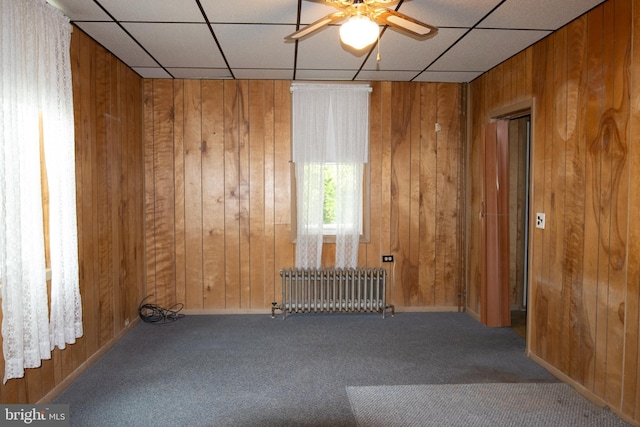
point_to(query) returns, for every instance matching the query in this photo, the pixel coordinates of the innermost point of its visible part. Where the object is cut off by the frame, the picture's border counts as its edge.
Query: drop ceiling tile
(392, 76)
(449, 13)
(255, 46)
(541, 14)
(447, 76)
(251, 37)
(395, 45)
(311, 11)
(200, 73)
(153, 10)
(480, 50)
(118, 42)
(151, 73)
(80, 10)
(263, 74)
(257, 12)
(178, 45)
(313, 75)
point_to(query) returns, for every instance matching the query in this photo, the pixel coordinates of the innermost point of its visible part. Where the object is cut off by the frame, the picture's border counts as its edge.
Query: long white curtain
(59, 148)
(310, 118)
(348, 213)
(35, 72)
(330, 125)
(310, 194)
(351, 123)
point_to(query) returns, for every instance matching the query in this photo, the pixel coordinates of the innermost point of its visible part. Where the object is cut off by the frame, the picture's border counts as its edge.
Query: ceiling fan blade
(317, 25)
(403, 22)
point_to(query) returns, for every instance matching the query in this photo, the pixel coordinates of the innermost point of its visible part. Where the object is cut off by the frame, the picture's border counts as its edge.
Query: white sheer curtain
(348, 213)
(59, 148)
(310, 117)
(309, 191)
(36, 79)
(351, 122)
(330, 125)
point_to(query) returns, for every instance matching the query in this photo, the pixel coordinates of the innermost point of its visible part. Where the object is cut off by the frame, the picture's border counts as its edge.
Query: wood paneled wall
(585, 265)
(217, 192)
(109, 176)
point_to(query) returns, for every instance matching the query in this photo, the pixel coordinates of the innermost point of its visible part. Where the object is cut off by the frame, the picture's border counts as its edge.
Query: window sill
(332, 239)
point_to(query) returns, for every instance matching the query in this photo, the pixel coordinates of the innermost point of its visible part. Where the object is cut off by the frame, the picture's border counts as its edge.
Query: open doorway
(519, 146)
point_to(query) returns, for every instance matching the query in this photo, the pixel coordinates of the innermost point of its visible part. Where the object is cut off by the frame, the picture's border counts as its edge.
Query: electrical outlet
(387, 258)
(540, 220)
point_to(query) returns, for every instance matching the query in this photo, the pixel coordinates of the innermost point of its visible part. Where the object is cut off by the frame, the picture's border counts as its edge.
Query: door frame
(512, 111)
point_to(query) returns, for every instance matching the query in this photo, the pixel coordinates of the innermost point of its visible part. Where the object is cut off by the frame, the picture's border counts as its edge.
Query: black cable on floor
(151, 313)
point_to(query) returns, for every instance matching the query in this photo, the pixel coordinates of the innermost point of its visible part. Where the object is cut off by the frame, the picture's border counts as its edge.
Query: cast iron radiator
(333, 290)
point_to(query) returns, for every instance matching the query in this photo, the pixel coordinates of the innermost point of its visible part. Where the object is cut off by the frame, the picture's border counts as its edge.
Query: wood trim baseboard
(587, 394)
(206, 311)
(48, 398)
(473, 314)
(427, 309)
(405, 309)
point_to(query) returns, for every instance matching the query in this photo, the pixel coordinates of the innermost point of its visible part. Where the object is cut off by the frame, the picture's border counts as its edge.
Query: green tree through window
(329, 214)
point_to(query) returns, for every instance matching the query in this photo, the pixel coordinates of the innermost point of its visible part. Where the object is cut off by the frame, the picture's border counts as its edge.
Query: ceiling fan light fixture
(359, 32)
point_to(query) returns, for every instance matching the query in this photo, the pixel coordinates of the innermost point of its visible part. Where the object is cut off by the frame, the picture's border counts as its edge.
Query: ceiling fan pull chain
(378, 57)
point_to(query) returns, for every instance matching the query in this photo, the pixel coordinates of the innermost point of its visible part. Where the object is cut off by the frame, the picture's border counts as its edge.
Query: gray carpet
(252, 370)
(478, 405)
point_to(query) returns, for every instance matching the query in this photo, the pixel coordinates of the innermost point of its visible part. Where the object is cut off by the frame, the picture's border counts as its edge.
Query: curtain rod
(355, 86)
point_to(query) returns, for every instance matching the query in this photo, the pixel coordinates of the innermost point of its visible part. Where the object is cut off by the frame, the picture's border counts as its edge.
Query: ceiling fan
(363, 18)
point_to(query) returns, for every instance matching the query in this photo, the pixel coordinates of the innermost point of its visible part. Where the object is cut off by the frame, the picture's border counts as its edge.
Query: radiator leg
(274, 307)
(387, 307)
(286, 291)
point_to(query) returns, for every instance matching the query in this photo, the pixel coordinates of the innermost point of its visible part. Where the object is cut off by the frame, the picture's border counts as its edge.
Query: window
(329, 225)
(330, 151)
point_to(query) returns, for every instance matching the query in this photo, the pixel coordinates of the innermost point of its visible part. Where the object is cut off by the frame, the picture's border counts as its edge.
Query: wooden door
(495, 308)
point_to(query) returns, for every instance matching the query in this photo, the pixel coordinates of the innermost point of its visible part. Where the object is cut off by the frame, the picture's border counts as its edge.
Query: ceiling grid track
(429, 41)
